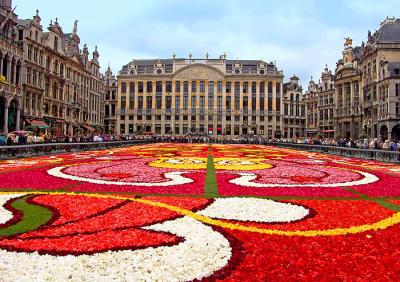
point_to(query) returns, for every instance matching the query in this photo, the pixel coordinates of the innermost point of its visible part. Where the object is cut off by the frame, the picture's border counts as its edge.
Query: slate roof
(389, 32)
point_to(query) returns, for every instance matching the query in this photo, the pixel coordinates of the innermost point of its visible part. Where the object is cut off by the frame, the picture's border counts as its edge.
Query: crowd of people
(28, 138)
(373, 144)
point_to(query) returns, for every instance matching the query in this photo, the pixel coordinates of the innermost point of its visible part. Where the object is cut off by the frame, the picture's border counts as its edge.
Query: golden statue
(348, 42)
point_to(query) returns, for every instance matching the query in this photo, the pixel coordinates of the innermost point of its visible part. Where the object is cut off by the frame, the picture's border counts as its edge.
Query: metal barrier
(379, 155)
(18, 151)
(7, 152)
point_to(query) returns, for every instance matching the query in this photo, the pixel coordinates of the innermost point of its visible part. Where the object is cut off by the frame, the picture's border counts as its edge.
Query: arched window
(46, 108)
(55, 66)
(48, 61)
(55, 90)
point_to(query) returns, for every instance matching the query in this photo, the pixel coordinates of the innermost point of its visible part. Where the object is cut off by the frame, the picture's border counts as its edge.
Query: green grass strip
(34, 216)
(380, 201)
(210, 185)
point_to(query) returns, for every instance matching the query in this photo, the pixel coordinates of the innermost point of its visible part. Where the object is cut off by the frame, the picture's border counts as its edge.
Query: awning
(311, 130)
(60, 121)
(88, 127)
(328, 131)
(38, 124)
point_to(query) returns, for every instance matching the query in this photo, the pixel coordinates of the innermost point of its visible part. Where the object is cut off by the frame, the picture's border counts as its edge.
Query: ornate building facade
(215, 96)
(320, 106)
(381, 81)
(63, 88)
(348, 95)
(294, 109)
(311, 97)
(110, 111)
(11, 70)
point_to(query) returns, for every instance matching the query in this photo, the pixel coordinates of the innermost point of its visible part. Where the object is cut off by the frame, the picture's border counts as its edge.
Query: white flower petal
(253, 209)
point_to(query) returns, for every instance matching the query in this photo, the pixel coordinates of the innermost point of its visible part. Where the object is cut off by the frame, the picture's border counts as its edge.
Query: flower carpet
(184, 212)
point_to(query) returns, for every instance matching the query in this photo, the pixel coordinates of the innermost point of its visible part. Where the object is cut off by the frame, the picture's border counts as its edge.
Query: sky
(300, 36)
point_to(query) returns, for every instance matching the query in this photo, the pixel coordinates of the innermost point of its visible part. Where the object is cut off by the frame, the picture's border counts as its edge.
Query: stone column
(9, 70)
(173, 107)
(1, 64)
(144, 97)
(206, 106)
(233, 110)
(5, 124)
(241, 107)
(18, 119)
(198, 104)
(181, 109)
(223, 107)
(153, 107)
(273, 108)
(190, 82)
(163, 108)
(258, 112)
(215, 110)
(15, 74)
(136, 103)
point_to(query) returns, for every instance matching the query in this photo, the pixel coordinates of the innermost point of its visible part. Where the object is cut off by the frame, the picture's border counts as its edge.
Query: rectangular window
(228, 87)
(219, 87)
(193, 102)
(140, 102)
(149, 87)
(245, 103)
(177, 102)
(158, 87)
(219, 103)
(140, 87)
(211, 88)
(149, 102)
(131, 87)
(123, 102)
(270, 88)
(253, 87)
(228, 103)
(168, 86)
(397, 89)
(202, 102)
(131, 100)
(245, 87)
(158, 102)
(168, 102)
(202, 87)
(398, 109)
(237, 88)
(123, 87)
(236, 102)
(177, 86)
(185, 102)
(194, 86)
(210, 103)
(186, 87)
